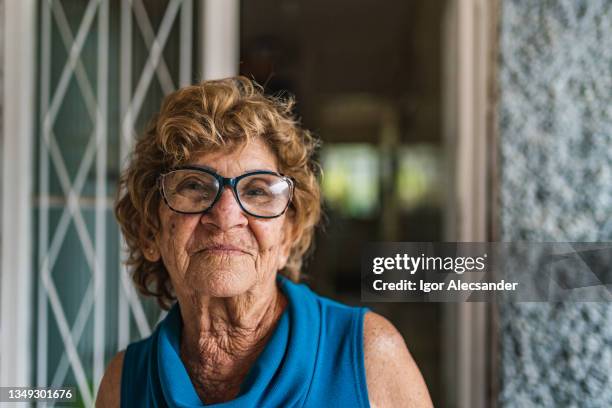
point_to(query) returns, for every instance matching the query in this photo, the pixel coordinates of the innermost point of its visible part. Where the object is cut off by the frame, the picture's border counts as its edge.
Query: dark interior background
(367, 79)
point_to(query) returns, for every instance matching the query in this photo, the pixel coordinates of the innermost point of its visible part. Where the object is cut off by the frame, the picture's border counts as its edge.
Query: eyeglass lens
(192, 191)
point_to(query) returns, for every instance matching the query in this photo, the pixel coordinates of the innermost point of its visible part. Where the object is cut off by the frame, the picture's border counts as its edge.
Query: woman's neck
(222, 337)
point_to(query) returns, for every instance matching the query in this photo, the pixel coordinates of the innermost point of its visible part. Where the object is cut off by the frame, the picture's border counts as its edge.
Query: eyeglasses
(195, 190)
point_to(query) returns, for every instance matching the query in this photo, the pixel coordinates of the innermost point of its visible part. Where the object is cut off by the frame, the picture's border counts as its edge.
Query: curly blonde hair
(206, 117)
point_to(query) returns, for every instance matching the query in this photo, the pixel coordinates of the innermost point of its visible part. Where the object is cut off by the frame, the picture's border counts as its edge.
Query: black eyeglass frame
(225, 181)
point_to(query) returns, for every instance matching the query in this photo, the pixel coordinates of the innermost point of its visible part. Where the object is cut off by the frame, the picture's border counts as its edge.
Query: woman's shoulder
(339, 315)
(303, 289)
(393, 378)
(134, 358)
(109, 393)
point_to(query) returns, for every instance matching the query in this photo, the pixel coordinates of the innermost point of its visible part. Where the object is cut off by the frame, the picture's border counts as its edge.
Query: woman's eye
(194, 186)
(191, 185)
(256, 192)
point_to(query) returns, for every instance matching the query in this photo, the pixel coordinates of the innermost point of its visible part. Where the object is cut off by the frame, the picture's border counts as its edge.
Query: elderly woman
(218, 207)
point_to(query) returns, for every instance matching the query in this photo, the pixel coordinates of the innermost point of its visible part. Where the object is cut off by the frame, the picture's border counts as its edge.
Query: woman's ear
(151, 252)
(289, 237)
(284, 255)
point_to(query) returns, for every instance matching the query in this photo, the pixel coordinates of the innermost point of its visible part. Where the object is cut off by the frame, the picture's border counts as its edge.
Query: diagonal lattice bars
(96, 104)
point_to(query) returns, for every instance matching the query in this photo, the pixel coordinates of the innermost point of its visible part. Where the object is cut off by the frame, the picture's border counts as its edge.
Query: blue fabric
(314, 358)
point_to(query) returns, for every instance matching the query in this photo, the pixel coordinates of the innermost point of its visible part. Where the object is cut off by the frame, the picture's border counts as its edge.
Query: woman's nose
(226, 213)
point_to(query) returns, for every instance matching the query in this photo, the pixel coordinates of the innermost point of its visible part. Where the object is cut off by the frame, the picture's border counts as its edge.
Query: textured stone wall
(555, 129)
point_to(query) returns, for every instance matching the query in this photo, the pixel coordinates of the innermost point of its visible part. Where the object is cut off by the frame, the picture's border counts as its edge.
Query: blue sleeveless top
(314, 358)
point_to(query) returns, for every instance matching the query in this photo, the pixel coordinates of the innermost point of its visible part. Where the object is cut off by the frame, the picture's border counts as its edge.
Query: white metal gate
(103, 67)
(97, 70)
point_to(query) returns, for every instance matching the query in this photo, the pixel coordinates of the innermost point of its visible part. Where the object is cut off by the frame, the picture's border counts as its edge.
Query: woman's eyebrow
(201, 166)
(259, 169)
(250, 170)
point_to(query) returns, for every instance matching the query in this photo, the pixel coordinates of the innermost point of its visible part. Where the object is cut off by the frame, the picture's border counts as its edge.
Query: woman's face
(224, 252)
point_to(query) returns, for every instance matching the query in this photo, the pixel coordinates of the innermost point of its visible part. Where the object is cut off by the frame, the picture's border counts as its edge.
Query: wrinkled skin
(228, 297)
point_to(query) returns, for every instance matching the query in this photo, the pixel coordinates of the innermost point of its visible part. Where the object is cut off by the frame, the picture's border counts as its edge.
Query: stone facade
(555, 137)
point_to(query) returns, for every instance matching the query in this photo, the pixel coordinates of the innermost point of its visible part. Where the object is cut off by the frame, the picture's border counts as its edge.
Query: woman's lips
(223, 249)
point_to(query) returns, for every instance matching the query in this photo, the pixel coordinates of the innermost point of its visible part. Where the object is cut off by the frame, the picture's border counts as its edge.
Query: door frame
(470, 52)
(219, 37)
(18, 119)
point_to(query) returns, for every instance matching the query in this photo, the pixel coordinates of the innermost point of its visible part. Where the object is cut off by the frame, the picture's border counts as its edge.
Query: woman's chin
(221, 274)
(224, 282)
